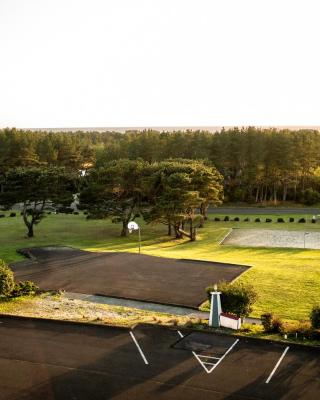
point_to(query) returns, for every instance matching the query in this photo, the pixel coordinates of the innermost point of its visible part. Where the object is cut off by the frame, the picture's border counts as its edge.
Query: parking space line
(226, 353)
(139, 348)
(214, 365)
(277, 365)
(216, 358)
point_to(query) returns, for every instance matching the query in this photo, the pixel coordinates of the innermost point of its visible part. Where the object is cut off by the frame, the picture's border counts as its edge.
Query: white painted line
(225, 237)
(197, 356)
(216, 358)
(207, 363)
(277, 365)
(139, 348)
(227, 352)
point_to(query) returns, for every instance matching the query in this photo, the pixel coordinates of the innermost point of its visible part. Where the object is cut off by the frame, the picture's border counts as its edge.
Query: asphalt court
(48, 360)
(123, 275)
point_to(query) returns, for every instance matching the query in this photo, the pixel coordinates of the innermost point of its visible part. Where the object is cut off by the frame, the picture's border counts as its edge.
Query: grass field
(287, 280)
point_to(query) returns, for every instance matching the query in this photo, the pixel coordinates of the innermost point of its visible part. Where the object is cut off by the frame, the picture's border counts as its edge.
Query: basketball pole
(139, 240)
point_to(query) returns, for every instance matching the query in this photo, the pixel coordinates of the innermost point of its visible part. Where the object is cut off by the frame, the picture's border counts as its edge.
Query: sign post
(133, 226)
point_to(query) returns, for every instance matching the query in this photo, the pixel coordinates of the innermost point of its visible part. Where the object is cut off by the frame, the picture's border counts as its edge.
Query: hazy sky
(82, 63)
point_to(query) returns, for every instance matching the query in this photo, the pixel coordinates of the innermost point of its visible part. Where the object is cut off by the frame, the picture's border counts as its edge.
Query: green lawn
(287, 280)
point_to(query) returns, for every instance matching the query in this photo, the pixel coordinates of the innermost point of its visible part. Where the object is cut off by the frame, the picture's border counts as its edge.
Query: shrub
(315, 317)
(86, 213)
(6, 280)
(271, 324)
(65, 210)
(266, 320)
(291, 219)
(257, 220)
(237, 219)
(247, 219)
(268, 220)
(13, 214)
(2, 215)
(310, 197)
(226, 218)
(314, 219)
(302, 220)
(281, 220)
(236, 298)
(75, 213)
(25, 288)
(217, 219)
(49, 212)
(297, 328)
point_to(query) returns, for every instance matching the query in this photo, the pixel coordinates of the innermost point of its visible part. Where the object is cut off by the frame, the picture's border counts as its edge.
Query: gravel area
(273, 238)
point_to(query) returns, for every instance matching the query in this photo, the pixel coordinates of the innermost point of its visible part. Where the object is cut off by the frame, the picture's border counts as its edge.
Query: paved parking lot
(125, 275)
(50, 360)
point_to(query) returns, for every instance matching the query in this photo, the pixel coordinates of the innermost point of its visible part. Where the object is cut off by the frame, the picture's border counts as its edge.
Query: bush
(291, 219)
(75, 213)
(86, 213)
(237, 219)
(257, 220)
(65, 210)
(315, 317)
(314, 219)
(2, 215)
(247, 219)
(13, 214)
(310, 197)
(268, 220)
(302, 220)
(6, 280)
(226, 218)
(281, 220)
(271, 324)
(217, 219)
(25, 288)
(236, 298)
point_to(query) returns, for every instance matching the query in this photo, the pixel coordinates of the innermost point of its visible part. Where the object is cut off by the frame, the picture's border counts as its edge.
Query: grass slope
(287, 280)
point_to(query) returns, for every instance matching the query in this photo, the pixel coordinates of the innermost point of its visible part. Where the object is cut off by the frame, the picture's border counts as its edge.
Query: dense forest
(258, 165)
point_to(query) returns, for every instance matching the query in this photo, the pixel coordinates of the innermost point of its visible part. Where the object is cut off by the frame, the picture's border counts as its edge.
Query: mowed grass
(287, 280)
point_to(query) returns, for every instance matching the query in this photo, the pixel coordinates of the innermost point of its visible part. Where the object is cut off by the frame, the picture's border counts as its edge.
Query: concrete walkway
(142, 305)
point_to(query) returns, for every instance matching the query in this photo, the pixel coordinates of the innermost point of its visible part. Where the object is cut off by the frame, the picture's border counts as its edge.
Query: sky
(109, 63)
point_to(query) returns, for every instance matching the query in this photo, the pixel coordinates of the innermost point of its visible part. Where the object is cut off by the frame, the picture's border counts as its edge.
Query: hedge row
(247, 219)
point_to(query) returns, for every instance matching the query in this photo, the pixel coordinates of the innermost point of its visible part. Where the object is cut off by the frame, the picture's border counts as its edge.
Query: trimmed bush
(302, 220)
(281, 220)
(257, 220)
(236, 298)
(217, 219)
(25, 288)
(291, 219)
(86, 213)
(237, 219)
(49, 212)
(268, 220)
(2, 215)
(13, 214)
(6, 280)
(247, 219)
(226, 218)
(315, 317)
(75, 213)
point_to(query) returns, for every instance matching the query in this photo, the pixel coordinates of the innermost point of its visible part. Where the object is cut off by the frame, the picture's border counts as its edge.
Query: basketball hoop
(133, 226)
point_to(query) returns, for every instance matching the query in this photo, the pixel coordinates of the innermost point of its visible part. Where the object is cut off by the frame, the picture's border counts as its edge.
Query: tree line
(173, 192)
(257, 165)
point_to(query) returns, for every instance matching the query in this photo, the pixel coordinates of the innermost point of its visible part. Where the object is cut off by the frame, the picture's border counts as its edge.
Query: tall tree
(34, 188)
